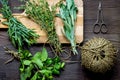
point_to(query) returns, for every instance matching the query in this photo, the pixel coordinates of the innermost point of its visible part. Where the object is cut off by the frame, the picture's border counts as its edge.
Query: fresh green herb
(39, 66)
(41, 13)
(68, 15)
(18, 33)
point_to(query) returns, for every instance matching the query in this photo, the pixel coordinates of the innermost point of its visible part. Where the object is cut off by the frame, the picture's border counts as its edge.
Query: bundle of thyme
(18, 33)
(41, 13)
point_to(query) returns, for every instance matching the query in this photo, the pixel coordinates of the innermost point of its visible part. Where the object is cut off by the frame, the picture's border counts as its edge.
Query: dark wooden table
(73, 71)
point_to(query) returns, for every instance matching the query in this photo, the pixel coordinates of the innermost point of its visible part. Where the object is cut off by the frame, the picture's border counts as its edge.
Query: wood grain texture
(58, 24)
(72, 71)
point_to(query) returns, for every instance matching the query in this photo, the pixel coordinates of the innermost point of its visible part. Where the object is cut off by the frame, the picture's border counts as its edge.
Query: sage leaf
(68, 13)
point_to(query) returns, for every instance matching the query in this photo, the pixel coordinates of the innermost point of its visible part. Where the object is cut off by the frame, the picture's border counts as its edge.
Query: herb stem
(42, 14)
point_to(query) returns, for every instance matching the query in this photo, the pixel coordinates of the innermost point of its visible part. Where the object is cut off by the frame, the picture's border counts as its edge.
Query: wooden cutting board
(58, 24)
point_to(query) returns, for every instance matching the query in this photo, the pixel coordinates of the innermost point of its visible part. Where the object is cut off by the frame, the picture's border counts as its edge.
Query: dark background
(73, 71)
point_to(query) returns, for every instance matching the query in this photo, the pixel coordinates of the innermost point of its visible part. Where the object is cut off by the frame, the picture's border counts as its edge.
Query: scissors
(99, 25)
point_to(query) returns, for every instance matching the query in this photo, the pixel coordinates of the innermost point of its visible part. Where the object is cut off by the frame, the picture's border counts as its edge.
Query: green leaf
(58, 15)
(37, 55)
(55, 71)
(44, 55)
(28, 70)
(34, 76)
(68, 13)
(22, 66)
(27, 73)
(63, 11)
(67, 34)
(69, 3)
(41, 56)
(49, 68)
(21, 69)
(46, 73)
(38, 62)
(49, 61)
(62, 65)
(5, 23)
(22, 76)
(26, 62)
(25, 54)
(75, 13)
(43, 78)
(57, 66)
(56, 59)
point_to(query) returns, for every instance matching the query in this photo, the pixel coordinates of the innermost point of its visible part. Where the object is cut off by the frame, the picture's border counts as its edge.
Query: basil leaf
(57, 66)
(43, 78)
(55, 71)
(34, 76)
(44, 55)
(22, 76)
(45, 71)
(27, 73)
(37, 55)
(26, 62)
(62, 65)
(38, 62)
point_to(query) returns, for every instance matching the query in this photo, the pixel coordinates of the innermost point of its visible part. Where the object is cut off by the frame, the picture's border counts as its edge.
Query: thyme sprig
(42, 14)
(18, 33)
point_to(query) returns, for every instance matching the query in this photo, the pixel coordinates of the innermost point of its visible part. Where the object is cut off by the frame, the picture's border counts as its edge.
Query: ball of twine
(98, 55)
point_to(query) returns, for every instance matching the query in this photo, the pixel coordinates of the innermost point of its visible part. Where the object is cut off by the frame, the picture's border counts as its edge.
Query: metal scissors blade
(100, 5)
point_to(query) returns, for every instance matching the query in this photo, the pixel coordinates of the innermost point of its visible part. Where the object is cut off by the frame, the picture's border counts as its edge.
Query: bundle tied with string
(98, 55)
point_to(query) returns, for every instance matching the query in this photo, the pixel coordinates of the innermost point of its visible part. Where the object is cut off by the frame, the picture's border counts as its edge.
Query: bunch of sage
(41, 13)
(68, 13)
(18, 33)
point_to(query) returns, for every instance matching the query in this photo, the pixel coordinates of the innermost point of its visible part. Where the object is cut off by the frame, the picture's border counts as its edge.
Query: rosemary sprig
(44, 16)
(18, 33)
(68, 15)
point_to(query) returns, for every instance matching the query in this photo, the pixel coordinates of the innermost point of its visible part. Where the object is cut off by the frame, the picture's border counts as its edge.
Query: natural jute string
(98, 55)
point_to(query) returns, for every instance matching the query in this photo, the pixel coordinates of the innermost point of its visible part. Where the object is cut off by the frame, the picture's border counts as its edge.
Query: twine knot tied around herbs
(98, 55)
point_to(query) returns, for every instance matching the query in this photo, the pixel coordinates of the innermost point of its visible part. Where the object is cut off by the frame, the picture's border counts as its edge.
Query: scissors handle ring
(96, 28)
(103, 28)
